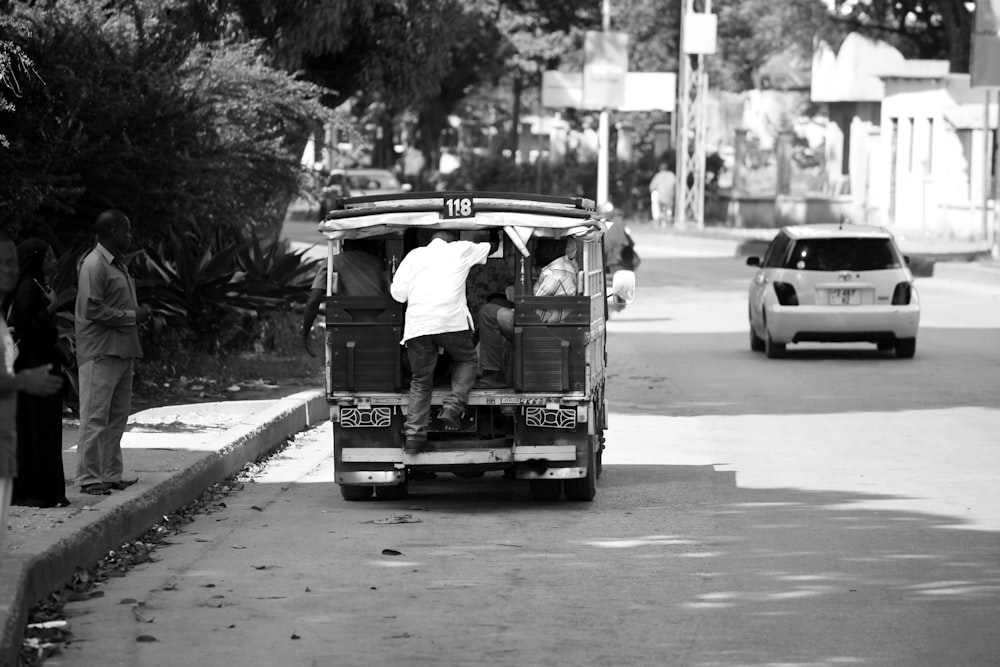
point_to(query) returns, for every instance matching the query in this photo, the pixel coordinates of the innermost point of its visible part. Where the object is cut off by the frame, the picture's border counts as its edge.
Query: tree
(751, 32)
(14, 66)
(935, 29)
(134, 114)
(383, 55)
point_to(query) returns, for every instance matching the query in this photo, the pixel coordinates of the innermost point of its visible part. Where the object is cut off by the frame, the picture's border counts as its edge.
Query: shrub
(216, 298)
(127, 112)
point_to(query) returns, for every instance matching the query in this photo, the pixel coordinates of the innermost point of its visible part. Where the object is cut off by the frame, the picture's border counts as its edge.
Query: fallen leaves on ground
(398, 518)
(85, 583)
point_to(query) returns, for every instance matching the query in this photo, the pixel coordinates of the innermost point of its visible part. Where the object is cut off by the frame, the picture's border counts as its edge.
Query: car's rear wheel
(906, 347)
(756, 342)
(773, 350)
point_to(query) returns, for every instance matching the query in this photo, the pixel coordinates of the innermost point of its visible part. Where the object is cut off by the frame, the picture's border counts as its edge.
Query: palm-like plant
(216, 290)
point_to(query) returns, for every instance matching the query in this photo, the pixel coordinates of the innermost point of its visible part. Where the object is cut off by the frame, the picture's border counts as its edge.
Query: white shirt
(431, 281)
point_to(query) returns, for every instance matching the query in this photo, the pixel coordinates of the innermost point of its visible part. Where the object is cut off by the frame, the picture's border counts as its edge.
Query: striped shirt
(558, 278)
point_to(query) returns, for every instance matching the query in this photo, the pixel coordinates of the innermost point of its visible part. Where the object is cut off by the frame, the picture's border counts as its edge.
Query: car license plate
(844, 297)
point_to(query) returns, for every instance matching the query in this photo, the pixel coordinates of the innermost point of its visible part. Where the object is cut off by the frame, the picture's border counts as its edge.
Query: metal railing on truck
(481, 202)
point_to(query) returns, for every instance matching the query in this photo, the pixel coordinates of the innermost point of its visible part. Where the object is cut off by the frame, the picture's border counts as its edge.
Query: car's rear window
(843, 254)
(375, 181)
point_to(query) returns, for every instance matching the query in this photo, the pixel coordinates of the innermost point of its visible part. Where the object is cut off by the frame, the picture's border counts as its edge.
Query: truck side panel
(362, 335)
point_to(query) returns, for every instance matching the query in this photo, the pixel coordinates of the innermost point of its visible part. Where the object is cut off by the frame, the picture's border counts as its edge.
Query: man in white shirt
(431, 282)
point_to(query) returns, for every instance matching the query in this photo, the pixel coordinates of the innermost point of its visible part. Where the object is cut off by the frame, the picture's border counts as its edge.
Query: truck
(548, 425)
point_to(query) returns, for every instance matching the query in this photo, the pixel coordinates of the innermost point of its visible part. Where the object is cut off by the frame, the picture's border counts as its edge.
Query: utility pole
(697, 41)
(603, 129)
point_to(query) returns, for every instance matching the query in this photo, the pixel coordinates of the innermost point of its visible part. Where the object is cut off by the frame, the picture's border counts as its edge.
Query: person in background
(40, 480)
(431, 281)
(662, 192)
(496, 322)
(107, 345)
(36, 381)
(360, 272)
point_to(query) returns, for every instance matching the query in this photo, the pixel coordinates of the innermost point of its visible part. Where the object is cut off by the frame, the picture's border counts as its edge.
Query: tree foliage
(934, 29)
(15, 66)
(129, 112)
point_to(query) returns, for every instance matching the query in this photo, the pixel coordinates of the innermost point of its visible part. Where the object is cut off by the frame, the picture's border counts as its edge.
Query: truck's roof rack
(419, 202)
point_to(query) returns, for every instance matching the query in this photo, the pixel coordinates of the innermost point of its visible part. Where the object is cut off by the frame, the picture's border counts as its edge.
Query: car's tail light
(902, 294)
(786, 294)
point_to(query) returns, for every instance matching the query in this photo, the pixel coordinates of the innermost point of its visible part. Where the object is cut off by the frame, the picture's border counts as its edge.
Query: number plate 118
(458, 207)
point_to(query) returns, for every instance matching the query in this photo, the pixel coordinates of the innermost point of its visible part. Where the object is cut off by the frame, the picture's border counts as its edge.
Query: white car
(833, 283)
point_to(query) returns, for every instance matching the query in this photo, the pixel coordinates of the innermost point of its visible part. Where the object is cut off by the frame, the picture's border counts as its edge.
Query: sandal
(451, 419)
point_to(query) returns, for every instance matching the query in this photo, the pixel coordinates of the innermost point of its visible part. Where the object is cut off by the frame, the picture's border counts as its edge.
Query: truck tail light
(902, 294)
(786, 294)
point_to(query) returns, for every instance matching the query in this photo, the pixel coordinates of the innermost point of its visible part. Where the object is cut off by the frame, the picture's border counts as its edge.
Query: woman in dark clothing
(40, 480)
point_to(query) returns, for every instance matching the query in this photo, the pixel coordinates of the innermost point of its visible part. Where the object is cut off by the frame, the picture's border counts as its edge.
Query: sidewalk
(177, 452)
(941, 258)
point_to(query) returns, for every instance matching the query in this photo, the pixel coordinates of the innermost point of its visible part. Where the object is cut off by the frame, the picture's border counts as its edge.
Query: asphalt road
(838, 506)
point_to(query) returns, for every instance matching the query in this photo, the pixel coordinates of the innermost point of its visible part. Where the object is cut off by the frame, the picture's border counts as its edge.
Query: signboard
(650, 91)
(604, 66)
(644, 91)
(700, 34)
(562, 89)
(985, 65)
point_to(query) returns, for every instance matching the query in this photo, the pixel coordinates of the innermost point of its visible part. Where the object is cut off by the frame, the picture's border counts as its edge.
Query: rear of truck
(546, 426)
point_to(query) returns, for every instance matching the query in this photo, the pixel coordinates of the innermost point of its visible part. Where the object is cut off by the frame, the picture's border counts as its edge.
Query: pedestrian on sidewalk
(40, 479)
(107, 346)
(662, 192)
(431, 281)
(35, 381)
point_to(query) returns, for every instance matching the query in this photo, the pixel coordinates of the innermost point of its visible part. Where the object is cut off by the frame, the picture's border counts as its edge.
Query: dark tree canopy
(933, 29)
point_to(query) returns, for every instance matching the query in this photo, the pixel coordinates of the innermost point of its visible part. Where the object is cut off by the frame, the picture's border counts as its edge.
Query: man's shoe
(96, 489)
(122, 484)
(491, 380)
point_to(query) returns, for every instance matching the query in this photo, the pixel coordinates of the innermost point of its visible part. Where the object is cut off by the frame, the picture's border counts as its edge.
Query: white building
(907, 139)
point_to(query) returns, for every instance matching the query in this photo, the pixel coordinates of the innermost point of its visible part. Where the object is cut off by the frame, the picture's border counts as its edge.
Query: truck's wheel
(394, 492)
(599, 455)
(585, 488)
(545, 490)
(356, 491)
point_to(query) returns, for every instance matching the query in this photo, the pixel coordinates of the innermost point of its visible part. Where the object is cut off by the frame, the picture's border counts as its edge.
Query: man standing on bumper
(431, 281)
(107, 345)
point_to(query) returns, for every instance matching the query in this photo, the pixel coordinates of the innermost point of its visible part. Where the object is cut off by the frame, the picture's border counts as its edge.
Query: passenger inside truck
(359, 270)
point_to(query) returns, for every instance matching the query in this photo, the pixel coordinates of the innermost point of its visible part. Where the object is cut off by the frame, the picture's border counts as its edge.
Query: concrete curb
(974, 272)
(50, 561)
(960, 261)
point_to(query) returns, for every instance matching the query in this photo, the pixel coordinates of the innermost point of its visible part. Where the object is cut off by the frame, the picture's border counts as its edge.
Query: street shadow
(767, 575)
(771, 562)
